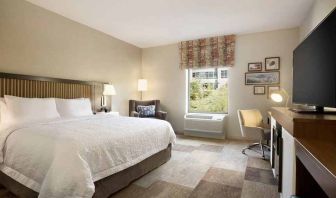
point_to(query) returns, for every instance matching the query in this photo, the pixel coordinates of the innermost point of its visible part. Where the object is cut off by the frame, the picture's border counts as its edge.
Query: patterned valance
(208, 52)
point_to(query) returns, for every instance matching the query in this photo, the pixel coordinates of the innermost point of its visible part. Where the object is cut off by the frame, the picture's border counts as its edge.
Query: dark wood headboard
(46, 87)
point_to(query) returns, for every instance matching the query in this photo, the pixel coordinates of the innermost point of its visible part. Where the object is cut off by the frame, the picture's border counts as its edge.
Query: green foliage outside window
(206, 99)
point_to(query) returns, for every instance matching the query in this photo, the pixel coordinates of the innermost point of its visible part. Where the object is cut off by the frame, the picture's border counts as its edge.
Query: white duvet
(64, 158)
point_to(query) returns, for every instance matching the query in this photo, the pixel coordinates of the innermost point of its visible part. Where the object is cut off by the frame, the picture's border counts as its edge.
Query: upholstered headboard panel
(45, 87)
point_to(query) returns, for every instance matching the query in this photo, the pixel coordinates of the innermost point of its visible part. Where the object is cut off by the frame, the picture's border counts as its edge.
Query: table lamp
(108, 91)
(142, 86)
(279, 95)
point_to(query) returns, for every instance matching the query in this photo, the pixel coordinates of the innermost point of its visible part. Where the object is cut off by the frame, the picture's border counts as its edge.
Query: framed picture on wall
(254, 66)
(262, 78)
(272, 89)
(259, 90)
(272, 63)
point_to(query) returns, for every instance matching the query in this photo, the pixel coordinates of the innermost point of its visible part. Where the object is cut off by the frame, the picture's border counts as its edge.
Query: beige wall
(167, 81)
(35, 41)
(160, 65)
(318, 12)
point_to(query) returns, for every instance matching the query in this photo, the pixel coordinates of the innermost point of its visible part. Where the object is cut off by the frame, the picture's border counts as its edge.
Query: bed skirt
(106, 186)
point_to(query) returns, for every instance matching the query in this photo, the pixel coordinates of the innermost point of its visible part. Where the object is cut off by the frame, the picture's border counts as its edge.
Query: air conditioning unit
(205, 125)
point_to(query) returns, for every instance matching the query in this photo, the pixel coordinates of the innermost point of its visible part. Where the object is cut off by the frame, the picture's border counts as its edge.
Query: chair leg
(260, 144)
(262, 149)
(250, 146)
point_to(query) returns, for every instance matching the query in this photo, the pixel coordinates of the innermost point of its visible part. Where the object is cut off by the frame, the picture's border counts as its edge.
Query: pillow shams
(26, 110)
(146, 111)
(74, 107)
(2, 107)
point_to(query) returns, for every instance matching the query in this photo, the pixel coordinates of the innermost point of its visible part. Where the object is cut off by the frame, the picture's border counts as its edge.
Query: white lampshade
(142, 85)
(280, 95)
(109, 90)
(276, 97)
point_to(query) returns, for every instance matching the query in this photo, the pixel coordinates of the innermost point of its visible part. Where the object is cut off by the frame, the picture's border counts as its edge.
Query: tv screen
(314, 66)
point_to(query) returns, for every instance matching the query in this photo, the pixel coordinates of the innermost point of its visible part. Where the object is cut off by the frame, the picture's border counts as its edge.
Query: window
(224, 73)
(208, 91)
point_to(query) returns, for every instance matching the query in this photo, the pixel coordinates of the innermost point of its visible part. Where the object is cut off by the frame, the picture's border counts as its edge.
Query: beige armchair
(252, 119)
(158, 113)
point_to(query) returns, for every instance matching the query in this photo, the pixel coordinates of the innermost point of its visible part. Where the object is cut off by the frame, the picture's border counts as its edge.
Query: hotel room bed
(104, 187)
(82, 156)
(64, 158)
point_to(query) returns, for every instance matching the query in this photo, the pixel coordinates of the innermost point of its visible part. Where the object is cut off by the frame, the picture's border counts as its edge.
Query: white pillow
(26, 110)
(3, 107)
(74, 107)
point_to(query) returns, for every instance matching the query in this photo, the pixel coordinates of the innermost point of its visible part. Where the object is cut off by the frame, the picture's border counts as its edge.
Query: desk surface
(303, 116)
(323, 151)
(287, 118)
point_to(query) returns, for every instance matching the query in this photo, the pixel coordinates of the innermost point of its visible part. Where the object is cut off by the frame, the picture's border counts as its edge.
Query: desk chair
(252, 119)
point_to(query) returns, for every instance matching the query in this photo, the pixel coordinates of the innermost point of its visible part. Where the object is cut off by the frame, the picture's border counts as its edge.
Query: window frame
(225, 74)
(188, 95)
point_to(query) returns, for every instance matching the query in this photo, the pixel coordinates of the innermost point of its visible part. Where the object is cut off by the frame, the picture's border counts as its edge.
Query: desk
(309, 147)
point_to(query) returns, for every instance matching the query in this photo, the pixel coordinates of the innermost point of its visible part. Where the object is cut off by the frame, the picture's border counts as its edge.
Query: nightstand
(114, 113)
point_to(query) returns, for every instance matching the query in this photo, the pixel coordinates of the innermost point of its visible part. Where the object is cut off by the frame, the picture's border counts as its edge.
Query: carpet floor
(204, 168)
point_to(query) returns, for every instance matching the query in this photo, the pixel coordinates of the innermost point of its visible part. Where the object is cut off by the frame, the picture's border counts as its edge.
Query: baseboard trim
(205, 135)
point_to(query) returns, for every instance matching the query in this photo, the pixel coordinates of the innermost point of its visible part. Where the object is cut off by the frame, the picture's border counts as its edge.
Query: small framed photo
(259, 90)
(272, 63)
(271, 89)
(255, 66)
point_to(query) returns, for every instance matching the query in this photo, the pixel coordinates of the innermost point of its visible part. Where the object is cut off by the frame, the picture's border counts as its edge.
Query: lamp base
(104, 109)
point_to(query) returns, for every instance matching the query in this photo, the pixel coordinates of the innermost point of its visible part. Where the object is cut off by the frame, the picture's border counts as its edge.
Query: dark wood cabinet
(315, 151)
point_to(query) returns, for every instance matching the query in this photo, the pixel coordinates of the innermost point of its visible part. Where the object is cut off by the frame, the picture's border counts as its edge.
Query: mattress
(63, 158)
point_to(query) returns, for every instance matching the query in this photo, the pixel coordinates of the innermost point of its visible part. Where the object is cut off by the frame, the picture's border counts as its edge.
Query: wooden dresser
(308, 153)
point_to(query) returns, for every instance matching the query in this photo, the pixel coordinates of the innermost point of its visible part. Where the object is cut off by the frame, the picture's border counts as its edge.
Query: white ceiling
(147, 23)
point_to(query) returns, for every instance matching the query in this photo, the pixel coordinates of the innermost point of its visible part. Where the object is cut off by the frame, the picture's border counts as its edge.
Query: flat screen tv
(314, 66)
